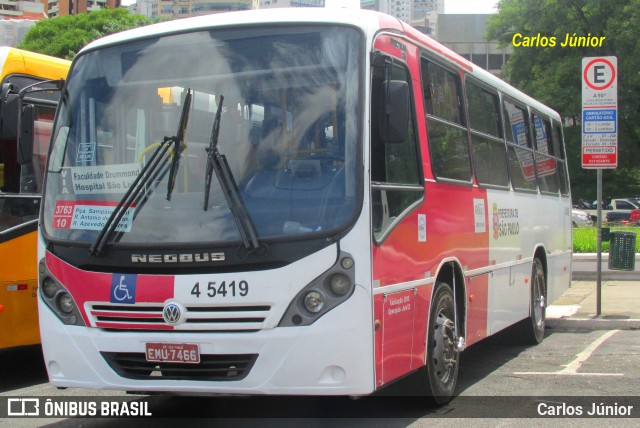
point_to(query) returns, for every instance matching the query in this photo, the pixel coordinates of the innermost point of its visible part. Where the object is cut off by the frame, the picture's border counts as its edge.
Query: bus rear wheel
(532, 328)
(440, 374)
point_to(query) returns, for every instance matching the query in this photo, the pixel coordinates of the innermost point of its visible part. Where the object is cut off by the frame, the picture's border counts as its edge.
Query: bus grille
(143, 317)
(133, 365)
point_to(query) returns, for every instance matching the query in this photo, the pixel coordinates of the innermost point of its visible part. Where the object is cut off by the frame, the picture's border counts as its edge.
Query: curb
(593, 324)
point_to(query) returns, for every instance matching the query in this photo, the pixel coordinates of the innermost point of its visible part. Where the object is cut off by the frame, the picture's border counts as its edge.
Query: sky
(470, 6)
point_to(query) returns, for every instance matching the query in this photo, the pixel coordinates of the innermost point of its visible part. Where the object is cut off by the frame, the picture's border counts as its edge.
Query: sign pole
(599, 133)
(599, 254)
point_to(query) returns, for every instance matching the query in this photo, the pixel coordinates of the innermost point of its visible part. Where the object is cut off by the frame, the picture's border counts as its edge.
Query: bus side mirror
(9, 104)
(25, 142)
(393, 117)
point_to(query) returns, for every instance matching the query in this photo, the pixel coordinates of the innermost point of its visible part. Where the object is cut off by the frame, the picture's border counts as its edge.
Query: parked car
(634, 217)
(618, 210)
(580, 218)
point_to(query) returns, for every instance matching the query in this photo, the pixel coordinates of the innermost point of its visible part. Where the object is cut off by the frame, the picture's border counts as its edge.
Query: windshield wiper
(178, 144)
(218, 162)
(148, 173)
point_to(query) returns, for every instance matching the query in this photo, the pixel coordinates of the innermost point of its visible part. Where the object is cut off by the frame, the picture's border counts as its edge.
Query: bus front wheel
(440, 374)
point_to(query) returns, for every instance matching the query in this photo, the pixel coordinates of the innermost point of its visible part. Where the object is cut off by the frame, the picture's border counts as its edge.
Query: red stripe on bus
(131, 326)
(124, 314)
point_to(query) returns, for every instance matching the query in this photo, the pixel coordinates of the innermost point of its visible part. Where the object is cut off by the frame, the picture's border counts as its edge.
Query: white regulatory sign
(599, 112)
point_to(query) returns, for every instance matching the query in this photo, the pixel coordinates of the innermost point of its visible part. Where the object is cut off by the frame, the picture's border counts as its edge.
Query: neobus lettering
(177, 258)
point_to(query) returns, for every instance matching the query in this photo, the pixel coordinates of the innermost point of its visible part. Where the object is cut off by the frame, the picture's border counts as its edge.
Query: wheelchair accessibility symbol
(123, 288)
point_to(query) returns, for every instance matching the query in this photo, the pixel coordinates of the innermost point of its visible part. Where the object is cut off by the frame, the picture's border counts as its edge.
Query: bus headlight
(65, 303)
(49, 287)
(323, 294)
(339, 284)
(313, 302)
(58, 298)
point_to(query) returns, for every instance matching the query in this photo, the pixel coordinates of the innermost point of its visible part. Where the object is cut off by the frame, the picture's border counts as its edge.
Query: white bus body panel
(292, 360)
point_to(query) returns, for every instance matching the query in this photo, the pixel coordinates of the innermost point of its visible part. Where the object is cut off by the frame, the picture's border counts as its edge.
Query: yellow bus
(26, 94)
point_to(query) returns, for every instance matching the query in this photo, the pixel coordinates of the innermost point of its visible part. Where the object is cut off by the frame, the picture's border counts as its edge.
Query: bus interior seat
(301, 191)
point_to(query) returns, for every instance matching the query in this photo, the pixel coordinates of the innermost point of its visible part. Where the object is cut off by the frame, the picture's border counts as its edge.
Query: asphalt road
(497, 379)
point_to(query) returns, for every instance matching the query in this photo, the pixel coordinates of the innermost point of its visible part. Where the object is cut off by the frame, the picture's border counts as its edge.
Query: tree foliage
(553, 74)
(64, 36)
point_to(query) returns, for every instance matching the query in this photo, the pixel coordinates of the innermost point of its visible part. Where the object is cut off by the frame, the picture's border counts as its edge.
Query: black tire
(440, 374)
(532, 329)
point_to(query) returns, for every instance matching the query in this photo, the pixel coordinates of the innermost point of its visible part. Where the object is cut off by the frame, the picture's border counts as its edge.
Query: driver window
(396, 186)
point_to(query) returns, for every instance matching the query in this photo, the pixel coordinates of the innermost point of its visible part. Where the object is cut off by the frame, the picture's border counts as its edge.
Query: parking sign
(599, 112)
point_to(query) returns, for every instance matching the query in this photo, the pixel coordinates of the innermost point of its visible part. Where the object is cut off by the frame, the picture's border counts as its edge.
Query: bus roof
(371, 22)
(360, 18)
(18, 61)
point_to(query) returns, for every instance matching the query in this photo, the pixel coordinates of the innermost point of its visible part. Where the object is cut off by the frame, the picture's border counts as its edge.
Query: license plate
(173, 353)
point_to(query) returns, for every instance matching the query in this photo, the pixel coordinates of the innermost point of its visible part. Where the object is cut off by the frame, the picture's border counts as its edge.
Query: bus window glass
(558, 144)
(519, 150)
(546, 165)
(32, 173)
(489, 161)
(16, 210)
(448, 143)
(395, 173)
(489, 154)
(484, 113)
(288, 130)
(442, 93)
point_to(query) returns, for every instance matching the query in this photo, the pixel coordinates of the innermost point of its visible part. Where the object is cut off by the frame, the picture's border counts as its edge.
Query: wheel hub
(445, 351)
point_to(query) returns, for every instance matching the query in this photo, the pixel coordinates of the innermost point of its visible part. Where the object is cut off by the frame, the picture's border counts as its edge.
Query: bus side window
(519, 149)
(447, 133)
(546, 165)
(489, 154)
(558, 144)
(395, 172)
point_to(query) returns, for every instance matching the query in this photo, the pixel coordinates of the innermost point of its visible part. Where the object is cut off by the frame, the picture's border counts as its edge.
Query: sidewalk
(577, 307)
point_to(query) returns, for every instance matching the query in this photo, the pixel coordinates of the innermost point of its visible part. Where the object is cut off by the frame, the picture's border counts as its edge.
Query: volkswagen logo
(172, 313)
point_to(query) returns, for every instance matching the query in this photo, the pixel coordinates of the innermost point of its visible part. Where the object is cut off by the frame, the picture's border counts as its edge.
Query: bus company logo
(505, 222)
(123, 288)
(172, 313)
(178, 258)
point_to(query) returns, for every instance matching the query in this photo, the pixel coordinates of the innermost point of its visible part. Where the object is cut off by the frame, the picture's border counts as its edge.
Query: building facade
(174, 9)
(405, 10)
(22, 9)
(464, 34)
(74, 7)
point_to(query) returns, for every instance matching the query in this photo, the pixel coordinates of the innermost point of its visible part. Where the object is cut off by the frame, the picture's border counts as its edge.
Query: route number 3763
(222, 290)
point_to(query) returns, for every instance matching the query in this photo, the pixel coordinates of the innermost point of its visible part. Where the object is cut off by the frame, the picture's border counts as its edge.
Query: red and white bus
(378, 204)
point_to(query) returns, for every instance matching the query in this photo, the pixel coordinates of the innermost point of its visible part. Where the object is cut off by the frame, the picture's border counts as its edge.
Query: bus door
(23, 151)
(401, 292)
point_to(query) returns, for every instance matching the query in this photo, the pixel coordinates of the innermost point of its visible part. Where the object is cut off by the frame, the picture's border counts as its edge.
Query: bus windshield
(288, 130)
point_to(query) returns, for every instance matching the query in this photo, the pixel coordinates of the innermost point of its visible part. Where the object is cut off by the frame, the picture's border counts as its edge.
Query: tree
(553, 74)
(64, 36)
